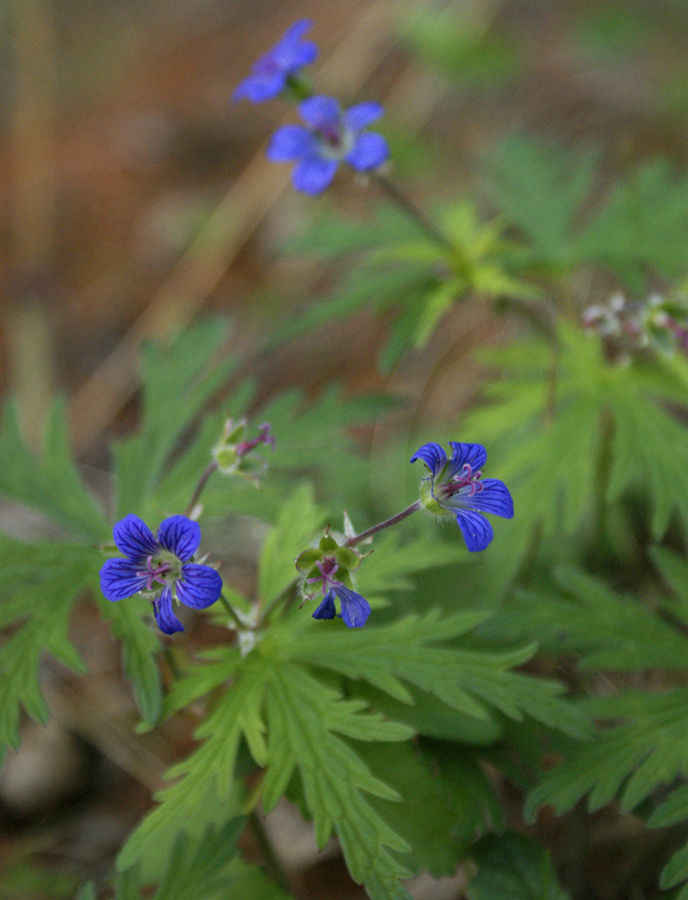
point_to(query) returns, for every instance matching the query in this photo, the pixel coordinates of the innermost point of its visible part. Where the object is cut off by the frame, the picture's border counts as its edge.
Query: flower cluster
(658, 324)
(456, 487)
(161, 568)
(233, 453)
(329, 135)
(326, 570)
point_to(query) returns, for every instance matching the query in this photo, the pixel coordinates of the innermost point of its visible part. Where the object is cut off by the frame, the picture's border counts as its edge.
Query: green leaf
(50, 484)
(631, 759)
(298, 520)
(473, 682)
(41, 583)
(140, 646)
(513, 867)
(608, 630)
(541, 189)
(306, 717)
(189, 368)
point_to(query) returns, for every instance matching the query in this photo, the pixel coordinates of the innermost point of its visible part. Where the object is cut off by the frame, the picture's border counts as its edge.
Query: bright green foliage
(604, 629)
(408, 270)
(573, 435)
(41, 583)
(513, 867)
(50, 484)
(202, 869)
(632, 759)
(541, 189)
(191, 369)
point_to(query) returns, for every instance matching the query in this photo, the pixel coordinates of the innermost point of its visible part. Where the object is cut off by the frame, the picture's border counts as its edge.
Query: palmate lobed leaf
(41, 583)
(474, 682)
(607, 630)
(193, 368)
(50, 482)
(631, 759)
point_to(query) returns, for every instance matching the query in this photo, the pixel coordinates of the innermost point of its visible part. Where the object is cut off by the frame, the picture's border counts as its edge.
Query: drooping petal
(321, 113)
(472, 454)
(363, 114)
(326, 609)
(180, 536)
(314, 174)
(260, 86)
(164, 615)
(433, 456)
(494, 498)
(477, 531)
(355, 608)
(118, 579)
(291, 142)
(369, 151)
(134, 538)
(199, 586)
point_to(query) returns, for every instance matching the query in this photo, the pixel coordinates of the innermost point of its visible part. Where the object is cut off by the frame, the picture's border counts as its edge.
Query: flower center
(327, 567)
(466, 482)
(163, 569)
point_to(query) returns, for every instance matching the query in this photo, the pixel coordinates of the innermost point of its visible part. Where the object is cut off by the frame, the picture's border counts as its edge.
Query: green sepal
(307, 559)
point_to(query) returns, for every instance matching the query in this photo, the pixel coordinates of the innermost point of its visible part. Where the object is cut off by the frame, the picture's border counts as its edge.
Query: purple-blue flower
(456, 487)
(331, 136)
(270, 73)
(355, 608)
(161, 568)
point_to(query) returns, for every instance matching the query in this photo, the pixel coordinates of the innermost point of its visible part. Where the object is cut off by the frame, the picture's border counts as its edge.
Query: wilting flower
(271, 73)
(161, 568)
(327, 570)
(456, 487)
(332, 136)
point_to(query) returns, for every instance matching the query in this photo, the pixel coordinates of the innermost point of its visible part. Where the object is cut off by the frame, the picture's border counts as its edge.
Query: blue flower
(456, 487)
(270, 73)
(355, 608)
(160, 567)
(332, 136)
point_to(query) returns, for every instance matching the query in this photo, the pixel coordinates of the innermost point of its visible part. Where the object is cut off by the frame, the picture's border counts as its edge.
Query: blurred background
(135, 197)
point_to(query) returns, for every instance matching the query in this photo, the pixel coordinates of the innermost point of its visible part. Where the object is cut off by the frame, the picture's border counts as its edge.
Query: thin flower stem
(369, 532)
(397, 196)
(232, 614)
(198, 490)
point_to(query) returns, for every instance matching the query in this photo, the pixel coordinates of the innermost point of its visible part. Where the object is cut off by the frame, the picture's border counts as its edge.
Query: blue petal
(118, 579)
(314, 174)
(180, 536)
(303, 55)
(321, 112)
(355, 608)
(326, 609)
(134, 538)
(473, 454)
(291, 142)
(260, 87)
(290, 40)
(494, 498)
(432, 455)
(363, 114)
(164, 616)
(199, 586)
(370, 151)
(477, 531)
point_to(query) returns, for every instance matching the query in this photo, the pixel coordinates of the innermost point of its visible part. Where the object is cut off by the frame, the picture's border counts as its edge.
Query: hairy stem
(407, 206)
(369, 532)
(232, 614)
(198, 490)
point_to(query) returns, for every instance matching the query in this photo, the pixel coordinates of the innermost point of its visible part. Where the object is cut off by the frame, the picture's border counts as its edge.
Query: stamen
(154, 573)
